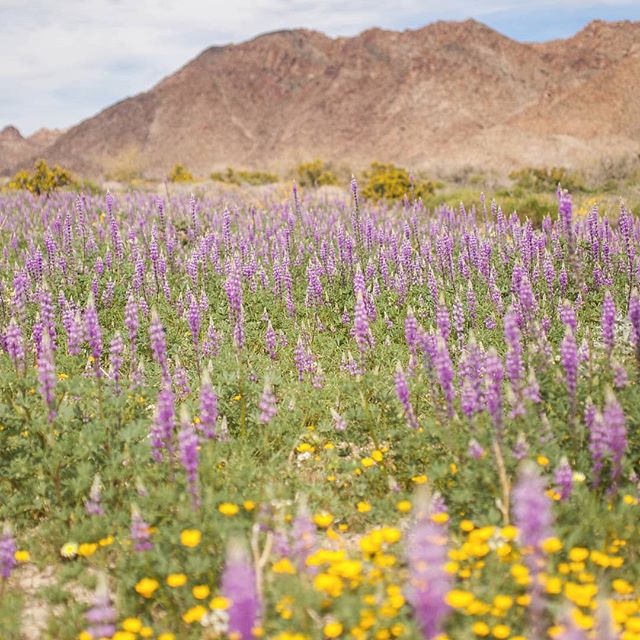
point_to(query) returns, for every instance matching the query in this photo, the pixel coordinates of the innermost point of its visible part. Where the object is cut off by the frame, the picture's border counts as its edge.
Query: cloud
(63, 61)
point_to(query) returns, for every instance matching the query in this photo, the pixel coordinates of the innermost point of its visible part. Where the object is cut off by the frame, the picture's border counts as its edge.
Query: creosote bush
(547, 179)
(315, 173)
(42, 180)
(238, 177)
(389, 182)
(180, 173)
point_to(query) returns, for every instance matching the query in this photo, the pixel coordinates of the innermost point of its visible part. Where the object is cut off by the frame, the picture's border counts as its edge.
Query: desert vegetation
(343, 414)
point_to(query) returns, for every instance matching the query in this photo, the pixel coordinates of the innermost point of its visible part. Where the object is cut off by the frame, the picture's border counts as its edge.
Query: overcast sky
(64, 60)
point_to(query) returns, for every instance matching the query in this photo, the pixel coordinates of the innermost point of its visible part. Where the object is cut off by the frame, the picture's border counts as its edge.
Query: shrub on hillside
(389, 182)
(42, 179)
(255, 178)
(545, 179)
(180, 173)
(315, 174)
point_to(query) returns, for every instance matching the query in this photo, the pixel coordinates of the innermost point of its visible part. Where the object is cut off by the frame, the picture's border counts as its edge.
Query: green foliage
(125, 166)
(180, 173)
(315, 174)
(255, 178)
(42, 179)
(389, 182)
(547, 179)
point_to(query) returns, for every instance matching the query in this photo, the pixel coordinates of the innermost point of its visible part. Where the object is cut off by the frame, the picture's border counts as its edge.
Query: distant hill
(447, 95)
(15, 149)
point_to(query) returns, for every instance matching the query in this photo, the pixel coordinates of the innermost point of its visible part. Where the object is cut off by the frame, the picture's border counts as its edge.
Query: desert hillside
(441, 97)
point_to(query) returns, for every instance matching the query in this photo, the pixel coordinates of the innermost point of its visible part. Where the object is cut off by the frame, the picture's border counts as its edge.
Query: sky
(62, 61)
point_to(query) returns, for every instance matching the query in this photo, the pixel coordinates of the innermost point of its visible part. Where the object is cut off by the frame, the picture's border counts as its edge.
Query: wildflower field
(317, 417)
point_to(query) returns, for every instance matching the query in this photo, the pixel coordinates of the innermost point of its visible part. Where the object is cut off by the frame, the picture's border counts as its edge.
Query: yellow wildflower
(190, 537)
(228, 509)
(146, 587)
(201, 591)
(133, 625)
(195, 614)
(176, 579)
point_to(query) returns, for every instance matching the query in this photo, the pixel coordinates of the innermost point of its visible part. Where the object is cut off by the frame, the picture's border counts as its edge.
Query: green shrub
(315, 174)
(255, 178)
(545, 179)
(42, 179)
(180, 173)
(389, 182)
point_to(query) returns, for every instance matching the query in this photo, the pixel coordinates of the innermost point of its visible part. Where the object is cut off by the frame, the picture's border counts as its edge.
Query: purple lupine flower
(14, 343)
(569, 360)
(458, 319)
(513, 360)
(211, 344)
(402, 391)
(361, 331)
(268, 407)
(181, 380)
(565, 214)
(75, 333)
(93, 333)
(93, 504)
(620, 375)
(564, 479)
(194, 322)
(189, 458)
(47, 376)
(158, 342)
(475, 449)
(208, 407)
(532, 390)
(238, 330)
(303, 534)
(597, 440)
(608, 322)
(339, 423)
(271, 341)
(7, 553)
(495, 380)
(238, 584)
(116, 351)
(429, 581)
(162, 429)
(532, 508)
(442, 319)
(47, 316)
(568, 316)
(521, 447)
(444, 369)
(614, 420)
(140, 531)
(411, 331)
(102, 615)
(131, 322)
(534, 519)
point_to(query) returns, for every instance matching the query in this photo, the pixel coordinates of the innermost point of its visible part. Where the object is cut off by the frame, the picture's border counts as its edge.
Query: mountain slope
(446, 95)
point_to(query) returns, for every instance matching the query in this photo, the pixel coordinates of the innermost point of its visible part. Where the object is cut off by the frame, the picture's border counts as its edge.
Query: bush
(126, 166)
(42, 179)
(389, 182)
(544, 179)
(255, 178)
(180, 173)
(315, 174)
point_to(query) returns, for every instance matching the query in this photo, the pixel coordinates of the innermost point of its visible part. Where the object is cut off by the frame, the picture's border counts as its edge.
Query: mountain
(448, 95)
(16, 149)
